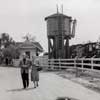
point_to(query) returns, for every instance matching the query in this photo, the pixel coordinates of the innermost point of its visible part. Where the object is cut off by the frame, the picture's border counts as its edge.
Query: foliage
(5, 40)
(11, 51)
(7, 45)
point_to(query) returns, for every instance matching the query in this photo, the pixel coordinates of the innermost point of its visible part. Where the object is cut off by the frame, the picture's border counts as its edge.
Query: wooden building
(91, 49)
(29, 48)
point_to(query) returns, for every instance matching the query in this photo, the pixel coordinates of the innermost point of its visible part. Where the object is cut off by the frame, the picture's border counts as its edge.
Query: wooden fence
(92, 64)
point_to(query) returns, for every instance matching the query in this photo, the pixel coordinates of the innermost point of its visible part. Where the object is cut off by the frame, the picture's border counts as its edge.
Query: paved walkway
(50, 87)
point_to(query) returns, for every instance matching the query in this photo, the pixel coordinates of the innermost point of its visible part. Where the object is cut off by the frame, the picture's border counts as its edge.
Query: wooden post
(75, 62)
(92, 67)
(48, 63)
(82, 61)
(77, 67)
(92, 63)
(59, 63)
(49, 48)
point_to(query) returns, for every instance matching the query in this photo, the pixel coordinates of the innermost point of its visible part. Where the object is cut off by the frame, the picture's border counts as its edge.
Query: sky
(19, 17)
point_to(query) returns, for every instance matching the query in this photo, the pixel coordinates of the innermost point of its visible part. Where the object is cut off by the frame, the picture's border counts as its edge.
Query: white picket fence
(92, 64)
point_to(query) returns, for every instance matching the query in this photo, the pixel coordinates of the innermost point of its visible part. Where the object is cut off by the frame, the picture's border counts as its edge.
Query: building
(91, 49)
(29, 48)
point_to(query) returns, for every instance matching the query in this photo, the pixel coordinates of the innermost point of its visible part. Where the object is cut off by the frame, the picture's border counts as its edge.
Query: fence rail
(80, 63)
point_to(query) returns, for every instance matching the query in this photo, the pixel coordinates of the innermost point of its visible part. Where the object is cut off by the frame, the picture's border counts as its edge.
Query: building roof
(90, 43)
(28, 44)
(56, 15)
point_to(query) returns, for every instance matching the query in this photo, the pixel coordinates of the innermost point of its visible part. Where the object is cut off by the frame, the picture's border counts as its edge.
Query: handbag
(39, 68)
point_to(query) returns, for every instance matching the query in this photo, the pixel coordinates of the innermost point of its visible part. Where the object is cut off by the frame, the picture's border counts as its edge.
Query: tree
(8, 48)
(11, 51)
(6, 40)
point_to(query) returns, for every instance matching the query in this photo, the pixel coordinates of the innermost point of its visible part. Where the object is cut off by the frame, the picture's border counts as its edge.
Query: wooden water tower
(60, 28)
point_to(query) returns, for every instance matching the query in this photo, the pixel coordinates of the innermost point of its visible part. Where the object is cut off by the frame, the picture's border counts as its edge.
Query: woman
(35, 72)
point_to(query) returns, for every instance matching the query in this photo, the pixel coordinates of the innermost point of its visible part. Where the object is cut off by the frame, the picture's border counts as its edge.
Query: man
(25, 65)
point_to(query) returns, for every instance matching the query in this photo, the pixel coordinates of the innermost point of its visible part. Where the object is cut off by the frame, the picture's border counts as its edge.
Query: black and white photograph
(49, 50)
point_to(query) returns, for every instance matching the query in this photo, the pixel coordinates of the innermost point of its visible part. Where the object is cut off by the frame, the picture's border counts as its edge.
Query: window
(28, 53)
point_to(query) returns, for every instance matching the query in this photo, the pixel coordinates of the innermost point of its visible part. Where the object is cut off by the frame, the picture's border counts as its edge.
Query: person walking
(35, 72)
(25, 65)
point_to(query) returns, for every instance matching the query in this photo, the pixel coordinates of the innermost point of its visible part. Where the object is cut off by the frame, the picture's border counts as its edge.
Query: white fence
(80, 63)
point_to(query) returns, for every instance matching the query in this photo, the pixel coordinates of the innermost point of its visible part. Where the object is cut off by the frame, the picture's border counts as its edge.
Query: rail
(80, 63)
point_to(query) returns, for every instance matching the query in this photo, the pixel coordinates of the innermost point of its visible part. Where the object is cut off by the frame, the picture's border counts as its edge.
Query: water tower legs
(67, 49)
(58, 49)
(49, 48)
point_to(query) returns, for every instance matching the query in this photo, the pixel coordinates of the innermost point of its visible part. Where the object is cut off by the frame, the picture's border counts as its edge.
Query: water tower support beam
(49, 51)
(67, 50)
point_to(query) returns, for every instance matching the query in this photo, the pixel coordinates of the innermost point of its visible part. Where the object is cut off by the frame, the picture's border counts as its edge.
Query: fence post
(45, 63)
(92, 68)
(48, 64)
(92, 63)
(82, 61)
(51, 64)
(59, 63)
(77, 73)
(75, 66)
(75, 63)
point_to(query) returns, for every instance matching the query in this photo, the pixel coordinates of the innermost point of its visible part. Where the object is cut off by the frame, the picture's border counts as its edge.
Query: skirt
(34, 76)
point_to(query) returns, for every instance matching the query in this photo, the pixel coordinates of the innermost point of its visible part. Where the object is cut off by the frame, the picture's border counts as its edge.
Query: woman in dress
(35, 72)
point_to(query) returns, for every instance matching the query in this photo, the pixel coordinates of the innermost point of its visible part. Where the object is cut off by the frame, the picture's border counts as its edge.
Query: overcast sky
(19, 17)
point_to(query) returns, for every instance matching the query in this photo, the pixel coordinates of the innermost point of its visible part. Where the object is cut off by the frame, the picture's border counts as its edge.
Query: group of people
(25, 65)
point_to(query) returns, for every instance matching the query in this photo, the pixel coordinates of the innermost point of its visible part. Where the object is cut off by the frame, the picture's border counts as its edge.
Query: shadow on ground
(20, 89)
(66, 98)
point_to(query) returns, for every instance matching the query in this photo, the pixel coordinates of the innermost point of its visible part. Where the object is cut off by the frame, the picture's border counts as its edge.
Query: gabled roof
(28, 44)
(38, 45)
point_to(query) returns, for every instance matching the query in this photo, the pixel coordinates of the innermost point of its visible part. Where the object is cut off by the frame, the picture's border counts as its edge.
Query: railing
(80, 63)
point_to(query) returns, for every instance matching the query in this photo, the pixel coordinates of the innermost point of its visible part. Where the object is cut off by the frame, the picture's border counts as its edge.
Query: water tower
(60, 28)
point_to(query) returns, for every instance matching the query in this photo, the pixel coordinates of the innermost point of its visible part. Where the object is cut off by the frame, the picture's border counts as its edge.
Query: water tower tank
(60, 28)
(58, 23)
